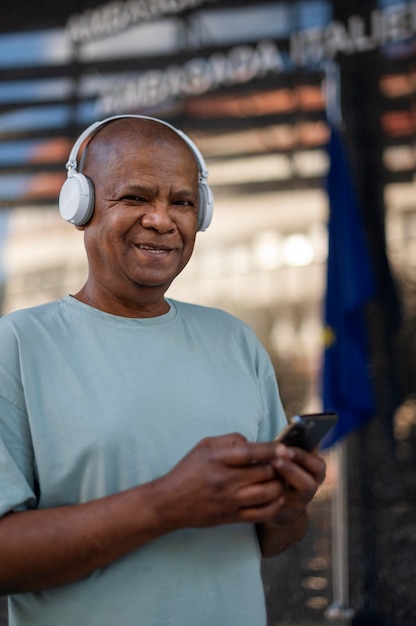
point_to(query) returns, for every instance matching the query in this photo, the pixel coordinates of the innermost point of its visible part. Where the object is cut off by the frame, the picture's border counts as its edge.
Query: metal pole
(339, 609)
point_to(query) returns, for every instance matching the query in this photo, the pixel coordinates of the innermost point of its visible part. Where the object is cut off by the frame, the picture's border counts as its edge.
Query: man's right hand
(223, 479)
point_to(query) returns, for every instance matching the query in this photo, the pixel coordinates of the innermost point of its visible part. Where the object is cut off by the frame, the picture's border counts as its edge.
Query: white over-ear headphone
(76, 198)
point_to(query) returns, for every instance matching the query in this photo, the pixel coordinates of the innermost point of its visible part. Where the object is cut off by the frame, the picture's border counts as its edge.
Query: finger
(249, 453)
(311, 462)
(255, 473)
(259, 494)
(297, 477)
(257, 514)
(230, 439)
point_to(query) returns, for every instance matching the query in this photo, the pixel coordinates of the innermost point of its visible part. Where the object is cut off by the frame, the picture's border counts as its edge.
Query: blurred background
(257, 86)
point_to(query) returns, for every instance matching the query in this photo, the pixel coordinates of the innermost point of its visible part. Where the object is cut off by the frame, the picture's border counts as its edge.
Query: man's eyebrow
(186, 191)
(137, 188)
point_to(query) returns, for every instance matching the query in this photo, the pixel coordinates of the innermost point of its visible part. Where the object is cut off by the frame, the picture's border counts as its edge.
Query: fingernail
(280, 448)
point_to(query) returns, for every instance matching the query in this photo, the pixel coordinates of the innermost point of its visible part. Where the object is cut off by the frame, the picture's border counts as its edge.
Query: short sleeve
(17, 479)
(17, 475)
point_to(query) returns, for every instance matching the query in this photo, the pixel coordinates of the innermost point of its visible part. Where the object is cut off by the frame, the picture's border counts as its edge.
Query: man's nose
(158, 217)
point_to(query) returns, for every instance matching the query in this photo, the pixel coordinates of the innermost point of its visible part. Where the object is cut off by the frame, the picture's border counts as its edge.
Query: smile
(153, 249)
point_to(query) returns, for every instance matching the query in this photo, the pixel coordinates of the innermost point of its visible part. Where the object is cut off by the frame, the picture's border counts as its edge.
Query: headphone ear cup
(76, 199)
(206, 206)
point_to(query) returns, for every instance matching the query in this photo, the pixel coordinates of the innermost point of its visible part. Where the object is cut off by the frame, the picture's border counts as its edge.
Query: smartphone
(307, 431)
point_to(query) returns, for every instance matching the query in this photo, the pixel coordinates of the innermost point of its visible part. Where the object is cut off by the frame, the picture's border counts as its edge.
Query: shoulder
(221, 328)
(23, 322)
(212, 317)
(23, 316)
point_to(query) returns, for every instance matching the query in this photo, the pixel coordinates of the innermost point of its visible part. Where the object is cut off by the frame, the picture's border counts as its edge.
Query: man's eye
(184, 203)
(134, 199)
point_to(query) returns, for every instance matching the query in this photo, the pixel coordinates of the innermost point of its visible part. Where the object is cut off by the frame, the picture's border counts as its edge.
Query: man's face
(144, 224)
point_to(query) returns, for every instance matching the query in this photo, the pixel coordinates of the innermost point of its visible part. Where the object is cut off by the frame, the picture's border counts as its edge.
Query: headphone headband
(76, 199)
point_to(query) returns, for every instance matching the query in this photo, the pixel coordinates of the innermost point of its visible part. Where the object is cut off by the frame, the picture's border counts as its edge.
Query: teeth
(141, 247)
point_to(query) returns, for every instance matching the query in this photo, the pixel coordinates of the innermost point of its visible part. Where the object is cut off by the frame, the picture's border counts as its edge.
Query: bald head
(116, 139)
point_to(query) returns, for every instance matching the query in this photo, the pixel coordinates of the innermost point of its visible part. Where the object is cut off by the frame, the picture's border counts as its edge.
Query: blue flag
(347, 384)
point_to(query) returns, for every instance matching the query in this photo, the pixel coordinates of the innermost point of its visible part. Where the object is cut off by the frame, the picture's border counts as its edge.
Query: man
(139, 484)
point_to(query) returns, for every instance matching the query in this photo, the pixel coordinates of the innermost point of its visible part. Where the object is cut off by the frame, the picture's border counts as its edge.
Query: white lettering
(376, 26)
(196, 76)
(115, 17)
(198, 79)
(396, 24)
(270, 58)
(312, 46)
(154, 87)
(218, 69)
(297, 49)
(141, 10)
(337, 40)
(174, 81)
(357, 31)
(134, 92)
(241, 64)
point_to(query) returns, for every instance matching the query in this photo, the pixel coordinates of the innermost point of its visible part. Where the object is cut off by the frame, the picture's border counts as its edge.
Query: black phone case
(307, 431)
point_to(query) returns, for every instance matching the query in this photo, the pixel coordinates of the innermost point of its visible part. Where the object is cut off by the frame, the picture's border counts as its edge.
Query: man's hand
(223, 479)
(301, 474)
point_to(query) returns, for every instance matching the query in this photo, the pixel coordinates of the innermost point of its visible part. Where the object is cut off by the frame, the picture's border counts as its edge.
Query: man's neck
(110, 303)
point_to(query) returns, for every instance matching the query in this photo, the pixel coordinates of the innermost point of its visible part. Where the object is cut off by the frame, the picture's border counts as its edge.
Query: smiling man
(139, 481)
(145, 219)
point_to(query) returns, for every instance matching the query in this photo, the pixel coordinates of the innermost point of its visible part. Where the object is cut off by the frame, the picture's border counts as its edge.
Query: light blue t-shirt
(92, 404)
